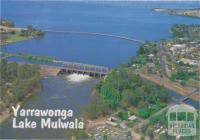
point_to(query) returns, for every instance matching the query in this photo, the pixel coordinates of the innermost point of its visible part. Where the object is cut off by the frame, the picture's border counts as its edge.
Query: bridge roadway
(97, 34)
(186, 97)
(195, 91)
(80, 32)
(73, 67)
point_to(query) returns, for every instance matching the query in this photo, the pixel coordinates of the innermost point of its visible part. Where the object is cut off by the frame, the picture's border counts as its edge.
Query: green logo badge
(182, 120)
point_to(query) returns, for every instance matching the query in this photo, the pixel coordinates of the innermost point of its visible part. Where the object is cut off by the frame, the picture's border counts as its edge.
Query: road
(96, 34)
(162, 58)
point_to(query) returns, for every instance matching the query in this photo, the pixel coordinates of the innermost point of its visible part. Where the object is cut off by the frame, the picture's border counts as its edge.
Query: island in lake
(180, 12)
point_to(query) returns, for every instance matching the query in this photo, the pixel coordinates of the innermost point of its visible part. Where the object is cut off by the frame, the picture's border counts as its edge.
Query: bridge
(73, 67)
(97, 34)
(83, 33)
(63, 67)
(186, 97)
(66, 66)
(195, 91)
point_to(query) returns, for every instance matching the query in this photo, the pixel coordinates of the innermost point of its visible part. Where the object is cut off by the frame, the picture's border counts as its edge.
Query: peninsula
(11, 34)
(195, 13)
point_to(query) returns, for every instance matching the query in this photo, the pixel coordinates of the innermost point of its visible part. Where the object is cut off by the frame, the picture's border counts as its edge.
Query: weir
(57, 67)
(80, 68)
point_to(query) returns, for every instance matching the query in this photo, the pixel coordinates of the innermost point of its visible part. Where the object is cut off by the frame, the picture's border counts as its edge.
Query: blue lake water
(132, 19)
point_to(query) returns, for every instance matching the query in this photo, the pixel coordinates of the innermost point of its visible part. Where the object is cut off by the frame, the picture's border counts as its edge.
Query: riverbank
(29, 57)
(8, 112)
(15, 38)
(13, 34)
(18, 83)
(183, 90)
(174, 86)
(47, 70)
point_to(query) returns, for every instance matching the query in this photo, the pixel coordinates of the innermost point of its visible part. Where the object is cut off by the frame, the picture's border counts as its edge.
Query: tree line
(124, 89)
(17, 81)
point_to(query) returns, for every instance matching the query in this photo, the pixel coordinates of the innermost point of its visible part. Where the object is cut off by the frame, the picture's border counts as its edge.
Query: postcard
(100, 70)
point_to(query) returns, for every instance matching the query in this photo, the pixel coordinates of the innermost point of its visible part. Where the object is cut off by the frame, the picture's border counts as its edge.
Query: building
(132, 118)
(178, 49)
(151, 68)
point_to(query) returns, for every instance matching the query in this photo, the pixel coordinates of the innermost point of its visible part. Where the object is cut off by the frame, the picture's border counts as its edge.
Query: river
(132, 19)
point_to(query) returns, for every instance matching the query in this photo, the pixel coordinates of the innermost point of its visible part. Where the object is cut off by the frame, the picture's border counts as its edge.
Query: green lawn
(15, 38)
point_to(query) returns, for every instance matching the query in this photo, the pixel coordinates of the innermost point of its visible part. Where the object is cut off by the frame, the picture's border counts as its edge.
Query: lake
(132, 19)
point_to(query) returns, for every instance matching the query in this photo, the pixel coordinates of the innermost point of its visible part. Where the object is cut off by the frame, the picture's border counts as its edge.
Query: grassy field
(11, 38)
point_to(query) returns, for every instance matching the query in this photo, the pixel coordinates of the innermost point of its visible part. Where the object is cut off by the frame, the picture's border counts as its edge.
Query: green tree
(144, 128)
(183, 83)
(75, 134)
(8, 23)
(133, 60)
(142, 137)
(12, 71)
(144, 112)
(91, 111)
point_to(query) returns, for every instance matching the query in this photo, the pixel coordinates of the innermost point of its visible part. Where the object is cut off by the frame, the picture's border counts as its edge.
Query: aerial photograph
(100, 69)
